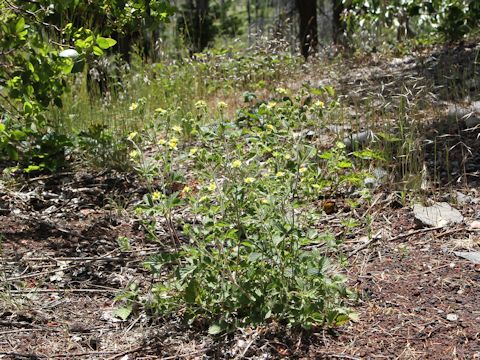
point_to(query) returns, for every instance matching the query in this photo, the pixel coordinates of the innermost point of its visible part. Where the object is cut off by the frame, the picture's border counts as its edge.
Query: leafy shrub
(253, 253)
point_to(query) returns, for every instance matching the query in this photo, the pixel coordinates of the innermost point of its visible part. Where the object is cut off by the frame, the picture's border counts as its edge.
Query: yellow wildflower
(172, 144)
(133, 106)
(302, 169)
(200, 104)
(193, 151)
(156, 195)
(161, 111)
(280, 174)
(134, 154)
(212, 186)
(222, 105)
(248, 180)
(177, 129)
(271, 104)
(236, 164)
(132, 135)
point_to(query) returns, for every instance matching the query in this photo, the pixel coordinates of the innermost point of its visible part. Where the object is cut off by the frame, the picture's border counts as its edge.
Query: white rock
(439, 214)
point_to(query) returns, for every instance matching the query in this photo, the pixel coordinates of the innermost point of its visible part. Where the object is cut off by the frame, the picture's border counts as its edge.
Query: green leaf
(97, 51)
(215, 329)
(27, 107)
(105, 43)
(67, 66)
(32, 168)
(2, 127)
(124, 312)
(20, 26)
(354, 316)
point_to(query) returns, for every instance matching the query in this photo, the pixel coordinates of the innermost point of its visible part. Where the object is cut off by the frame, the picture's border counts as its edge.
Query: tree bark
(338, 25)
(307, 10)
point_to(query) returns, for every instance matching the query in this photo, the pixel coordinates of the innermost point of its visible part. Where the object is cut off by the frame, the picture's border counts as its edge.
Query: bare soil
(62, 269)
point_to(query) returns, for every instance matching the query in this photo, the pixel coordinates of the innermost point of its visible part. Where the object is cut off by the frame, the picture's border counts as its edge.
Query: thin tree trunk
(338, 25)
(307, 10)
(249, 19)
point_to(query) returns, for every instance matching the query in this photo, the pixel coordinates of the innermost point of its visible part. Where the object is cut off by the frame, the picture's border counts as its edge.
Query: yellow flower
(248, 180)
(133, 106)
(162, 142)
(193, 151)
(172, 144)
(264, 201)
(287, 156)
(156, 195)
(161, 111)
(200, 104)
(280, 174)
(134, 154)
(132, 135)
(319, 104)
(212, 186)
(271, 104)
(302, 169)
(281, 91)
(222, 105)
(177, 129)
(236, 164)
(186, 189)
(270, 127)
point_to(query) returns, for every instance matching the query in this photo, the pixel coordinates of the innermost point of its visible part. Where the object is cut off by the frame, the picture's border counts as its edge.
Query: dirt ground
(62, 270)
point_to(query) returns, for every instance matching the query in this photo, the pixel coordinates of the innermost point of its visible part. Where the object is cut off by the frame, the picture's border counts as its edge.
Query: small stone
(461, 198)
(452, 317)
(475, 225)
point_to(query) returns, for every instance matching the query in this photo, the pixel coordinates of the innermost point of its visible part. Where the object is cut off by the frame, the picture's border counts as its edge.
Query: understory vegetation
(231, 146)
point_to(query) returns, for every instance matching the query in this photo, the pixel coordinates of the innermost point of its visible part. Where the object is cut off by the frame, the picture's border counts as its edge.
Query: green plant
(252, 254)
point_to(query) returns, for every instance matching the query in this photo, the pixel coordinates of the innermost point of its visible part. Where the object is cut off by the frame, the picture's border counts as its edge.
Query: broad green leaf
(124, 312)
(105, 43)
(214, 329)
(97, 51)
(20, 26)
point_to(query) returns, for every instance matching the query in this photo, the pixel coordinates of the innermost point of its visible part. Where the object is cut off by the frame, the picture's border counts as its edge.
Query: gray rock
(379, 177)
(470, 114)
(461, 198)
(359, 139)
(338, 129)
(439, 214)
(473, 256)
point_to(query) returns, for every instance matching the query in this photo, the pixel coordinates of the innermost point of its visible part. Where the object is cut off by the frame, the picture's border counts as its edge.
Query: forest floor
(62, 267)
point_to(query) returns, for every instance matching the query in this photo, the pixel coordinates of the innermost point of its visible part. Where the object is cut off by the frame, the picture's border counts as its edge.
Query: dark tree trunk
(201, 27)
(249, 19)
(338, 25)
(307, 10)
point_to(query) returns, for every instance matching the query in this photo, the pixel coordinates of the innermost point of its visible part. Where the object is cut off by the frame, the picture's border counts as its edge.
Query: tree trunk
(200, 24)
(307, 10)
(338, 25)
